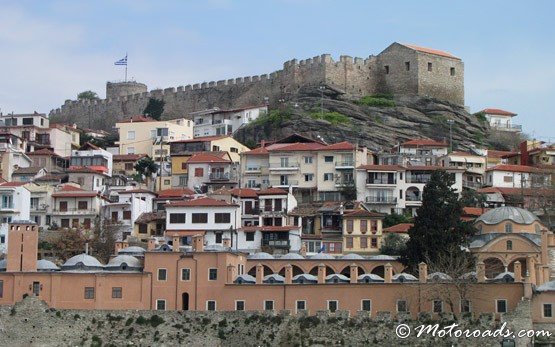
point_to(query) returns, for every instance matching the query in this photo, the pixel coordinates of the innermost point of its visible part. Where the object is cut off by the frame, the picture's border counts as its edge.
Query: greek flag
(122, 61)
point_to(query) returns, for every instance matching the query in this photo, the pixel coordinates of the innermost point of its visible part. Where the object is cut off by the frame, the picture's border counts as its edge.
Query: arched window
(509, 245)
(508, 227)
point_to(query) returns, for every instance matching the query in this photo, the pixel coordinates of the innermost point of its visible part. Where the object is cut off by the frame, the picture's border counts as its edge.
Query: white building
(510, 176)
(214, 121)
(474, 166)
(14, 205)
(210, 170)
(74, 207)
(12, 154)
(93, 158)
(126, 206)
(500, 119)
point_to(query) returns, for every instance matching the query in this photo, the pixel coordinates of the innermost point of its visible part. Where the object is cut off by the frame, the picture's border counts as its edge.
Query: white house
(14, 205)
(474, 166)
(510, 176)
(210, 169)
(214, 121)
(75, 207)
(500, 119)
(126, 206)
(93, 158)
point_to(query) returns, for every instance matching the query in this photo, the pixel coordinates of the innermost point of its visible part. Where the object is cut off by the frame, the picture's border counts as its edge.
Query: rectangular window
(507, 179)
(386, 68)
(363, 242)
(131, 135)
(328, 177)
(407, 65)
(126, 215)
(199, 172)
(82, 205)
(452, 71)
(65, 223)
(177, 218)
(465, 306)
(239, 305)
(328, 158)
(186, 274)
(199, 218)
(374, 242)
(161, 305)
(268, 305)
(501, 306)
(429, 66)
(218, 237)
(89, 292)
(308, 160)
(350, 223)
(402, 306)
(162, 274)
(547, 310)
(222, 217)
(129, 167)
(366, 305)
(130, 150)
(438, 306)
(308, 177)
(116, 293)
(300, 305)
(363, 226)
(249, 236)
(333, 305)
(349, 241)
(210, 305)
(1, 289)
(212, 274)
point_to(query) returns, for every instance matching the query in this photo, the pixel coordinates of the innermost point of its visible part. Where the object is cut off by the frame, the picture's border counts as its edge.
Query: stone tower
(23, 241)
(119, 89)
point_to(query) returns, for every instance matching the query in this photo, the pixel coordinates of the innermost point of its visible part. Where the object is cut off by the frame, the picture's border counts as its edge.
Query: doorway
(185, 301)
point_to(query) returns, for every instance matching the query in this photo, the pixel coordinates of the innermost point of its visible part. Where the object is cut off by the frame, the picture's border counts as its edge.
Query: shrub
(96, 341)
(222, 323)
(76, 316)
(379, 100)
(481, 116)
(12, 311)
(58, 314)
(129, 321)
(156, 320)
(141, 320)
(276, 117)
(332, 117)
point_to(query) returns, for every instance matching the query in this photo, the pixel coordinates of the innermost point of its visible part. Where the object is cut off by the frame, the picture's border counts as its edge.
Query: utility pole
(322, 88)
(450, 122)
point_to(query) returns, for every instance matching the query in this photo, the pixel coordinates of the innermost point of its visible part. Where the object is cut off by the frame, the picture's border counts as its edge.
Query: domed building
(510, 234)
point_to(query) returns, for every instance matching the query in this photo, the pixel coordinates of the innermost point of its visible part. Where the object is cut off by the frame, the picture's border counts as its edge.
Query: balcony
(7, 208)
(507, 127)
(220, 176)
(413, 198)
(276, 243)
(385, 200)
(347, 164)
(381, 181)
(272, 212)
(39, 208)
(74, 211)
(284, 166)
(284, 184)
(343, 183)
(253, 170)
(473, 185)
(417, 179)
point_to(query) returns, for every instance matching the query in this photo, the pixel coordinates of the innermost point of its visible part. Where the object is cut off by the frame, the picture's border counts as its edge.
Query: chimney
(198, 243)
(151, 244)
(118, 246)
(23, 244)
(321, 273)
(481, 272)
(288, 274)
(518, 271)
(259, 273)
(231, 273)
(175, 243)
(388, 268)
(544, 244)
(303, 249)
(354, 273)
(546, 273)
(422, 272)
(227, 243)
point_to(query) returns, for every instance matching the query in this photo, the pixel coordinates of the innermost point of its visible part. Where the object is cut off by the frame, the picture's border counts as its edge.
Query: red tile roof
(175, 193)
(474, 211)
(513, 168)
(500, 154)
(244, 193)
(138, 191)
(201, 202)
(401, 228)
(272, 191)
(127, 157)
(269, 228)
(340, 146)
(463, 154)
(424, 142)
(431, 51)
(498, 111)
(13, 184)
(44, 151)
(93, 169)
(382, 167)
(69, 191)
(363, 213)
(204, 157)
(137, 119)
(257, 151)
(202, 139)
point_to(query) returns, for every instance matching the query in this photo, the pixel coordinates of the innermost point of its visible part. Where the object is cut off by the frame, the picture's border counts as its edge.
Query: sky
(52, 50)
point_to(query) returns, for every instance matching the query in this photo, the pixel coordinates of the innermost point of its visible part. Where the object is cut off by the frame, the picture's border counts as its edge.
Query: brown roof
(175, 193)
(44, 151)
(498, 111)
(99, 170)
(27, 170)
(257, 151)
(363, 213)
(128, 157)
(272, 191)
(424, 142)
(431, 51)
(244, 193)
(70, 191)
(147, 217)
(513, 168)
(137, 191)
(137, 119)
(202, 139)
(204, 157)
(13, 184)
(201, 202)
(474, 211)
(401, 228)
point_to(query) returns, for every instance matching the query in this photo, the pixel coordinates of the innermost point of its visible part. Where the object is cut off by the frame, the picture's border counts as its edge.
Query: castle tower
(23, 244)
(117, 89)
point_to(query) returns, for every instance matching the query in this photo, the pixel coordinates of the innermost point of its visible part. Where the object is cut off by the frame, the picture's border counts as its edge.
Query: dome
(439, 276)
(273, 278)
(352, 256)
(368, 278)
(215, 248)
(245, 279)
(382, 257)
(469, 276)
(305, 278)
(323, 256)
(3, 264)
(46, 265)
(292, 256)
(133, 250)
(404, 277)
(505, 277)
(260, 255)
(82, 262)
(337, 278)
(515, 214)
(546, 287)
(124, 262)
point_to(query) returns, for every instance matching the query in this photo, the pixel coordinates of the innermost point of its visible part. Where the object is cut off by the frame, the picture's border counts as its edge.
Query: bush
(378, 100)
(141, 320)
(129, 321)
(332, 117)
(96, 341)
(156, 320)
(481, 116)
(275, 117)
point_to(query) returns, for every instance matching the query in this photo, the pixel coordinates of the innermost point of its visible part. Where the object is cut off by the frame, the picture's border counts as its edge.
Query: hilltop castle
(400, 69)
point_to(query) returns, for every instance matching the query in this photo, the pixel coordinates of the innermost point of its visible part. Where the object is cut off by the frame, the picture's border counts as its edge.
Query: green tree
(154, 108)
(393, 244)
(438, 227)
(471, 198)
(87, 95)
(394, 219)
(146, 167)
(348, 191)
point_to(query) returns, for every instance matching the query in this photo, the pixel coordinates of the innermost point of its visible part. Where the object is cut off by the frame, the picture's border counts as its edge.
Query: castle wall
(439, 83)
(393, 77)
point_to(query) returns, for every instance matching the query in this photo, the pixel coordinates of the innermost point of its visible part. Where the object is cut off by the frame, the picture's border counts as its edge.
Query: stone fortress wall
(355, 76)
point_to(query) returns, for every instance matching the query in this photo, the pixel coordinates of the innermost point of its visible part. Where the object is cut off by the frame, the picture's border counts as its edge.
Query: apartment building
(315, 170)
(423, 152)
(125, 207)
(209, 171)
(74, 207)
(515, 176)
(14, 205)
(47, 159)
(41, 203)
(474, 166)
(362, 232)
(93, 158)
(144, 135)
(124, 164)
(12, 154)
(501, 120)
(214, 122)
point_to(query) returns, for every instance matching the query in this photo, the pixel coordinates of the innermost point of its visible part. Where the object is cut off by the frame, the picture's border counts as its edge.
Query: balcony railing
(418, 179)
(271, 211)
(507, 126)
(381, 200)
(74, 211)
(220, 176)
(468, 184)
(381, 181)
(38, 208)
(413, 198)
(287, 183)
(253, 169)
(284, 166)
(276, 243)
(346, 164)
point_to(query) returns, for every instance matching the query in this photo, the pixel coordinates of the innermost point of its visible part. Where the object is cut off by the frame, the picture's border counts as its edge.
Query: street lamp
(450, 122)
(322, 88)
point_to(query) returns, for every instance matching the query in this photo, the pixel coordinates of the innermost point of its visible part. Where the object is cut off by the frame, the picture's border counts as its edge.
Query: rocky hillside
(376, 122)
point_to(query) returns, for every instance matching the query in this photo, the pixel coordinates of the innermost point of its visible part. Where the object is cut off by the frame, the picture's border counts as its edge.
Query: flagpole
(125, 67)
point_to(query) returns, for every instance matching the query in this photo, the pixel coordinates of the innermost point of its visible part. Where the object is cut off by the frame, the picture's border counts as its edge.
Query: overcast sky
(52, 50)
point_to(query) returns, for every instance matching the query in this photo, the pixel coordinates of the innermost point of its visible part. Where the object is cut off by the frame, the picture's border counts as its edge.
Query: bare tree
(103, 239)
(70, 241)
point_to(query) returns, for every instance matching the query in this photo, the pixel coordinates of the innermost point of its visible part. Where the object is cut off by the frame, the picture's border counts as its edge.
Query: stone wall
(354, 76)
(32, 323)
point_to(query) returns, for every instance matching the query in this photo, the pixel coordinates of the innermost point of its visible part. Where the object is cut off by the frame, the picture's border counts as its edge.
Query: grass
(275, 117)
(481, 116)
(377, 100)
(334, 118)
